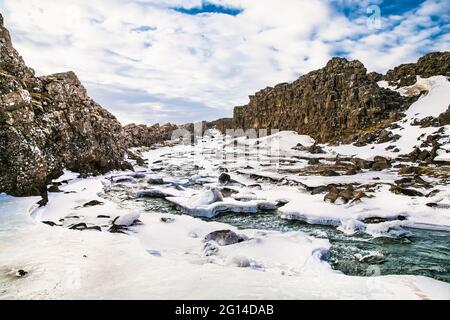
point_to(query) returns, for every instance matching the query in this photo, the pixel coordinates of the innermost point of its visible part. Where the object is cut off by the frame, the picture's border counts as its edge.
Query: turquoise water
(424, 252)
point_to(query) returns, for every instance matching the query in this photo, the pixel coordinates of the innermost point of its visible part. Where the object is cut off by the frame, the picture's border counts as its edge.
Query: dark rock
(138, 175)
(227, 192)
(351, 172)
(331, 197)
(139, 160)
(117, 229)
(414, 181)
(315, 149)
(78, 226)
(157, 181)
(432, 205)
(347, 194)
(255, 185)
(224, 237)
(50, 223)
(93, 203)
(167, 220)
(394, 126)
(375, 220)
(123, 179)
(381, 159)
(358, 195)
(329, 173)
(101, 216)
(362, 164)
(409, 170)
(414, 155)
(432, 193)
(385, 136)
(406, 192)
(224, 178)
(379, 166)
(375, 76)
(424, 154)
(151, 193)
(444, 118)
(319, 189)
(96, 228)
(54, 189)
(43, 202)
(21, 273)
(380, 163)
(313, 161)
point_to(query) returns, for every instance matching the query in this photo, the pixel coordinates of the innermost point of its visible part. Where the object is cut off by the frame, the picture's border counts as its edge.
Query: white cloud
(187, 67)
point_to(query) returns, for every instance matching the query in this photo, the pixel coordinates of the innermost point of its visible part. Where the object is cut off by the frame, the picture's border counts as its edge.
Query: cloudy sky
(152, 61)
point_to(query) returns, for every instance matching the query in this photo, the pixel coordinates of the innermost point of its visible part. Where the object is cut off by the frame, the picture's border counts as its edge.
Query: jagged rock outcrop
(432, 64)
(50, 123)
(221, 124)
(146, 136)
(335, 103)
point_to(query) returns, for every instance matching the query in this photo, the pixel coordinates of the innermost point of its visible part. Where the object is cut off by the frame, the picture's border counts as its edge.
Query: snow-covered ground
(142, 254)
(161, 260)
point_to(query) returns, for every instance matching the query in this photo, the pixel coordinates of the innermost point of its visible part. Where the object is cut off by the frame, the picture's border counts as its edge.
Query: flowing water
(423, 252)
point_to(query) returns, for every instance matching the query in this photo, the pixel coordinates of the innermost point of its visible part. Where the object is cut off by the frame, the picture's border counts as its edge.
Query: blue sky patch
(208, 7)
(182, 61)
(399, 7)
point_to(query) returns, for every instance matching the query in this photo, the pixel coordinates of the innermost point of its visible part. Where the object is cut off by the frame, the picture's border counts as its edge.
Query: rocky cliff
(146, 136)
(432, 64)
(50, 123)
(221, 124)
(337, 103)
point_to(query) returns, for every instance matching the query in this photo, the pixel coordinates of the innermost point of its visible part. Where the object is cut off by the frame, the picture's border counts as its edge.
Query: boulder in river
(224, 178)
(225, 237)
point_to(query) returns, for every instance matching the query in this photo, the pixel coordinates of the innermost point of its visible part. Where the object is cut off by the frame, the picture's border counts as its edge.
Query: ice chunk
(127, 219)
(351, 226)
(207, 197)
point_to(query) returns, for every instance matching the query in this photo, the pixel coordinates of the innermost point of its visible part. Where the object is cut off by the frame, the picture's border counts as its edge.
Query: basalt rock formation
(50, 123)
(146, 136)
(337, 103)
(432, 64)
(222, 124)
